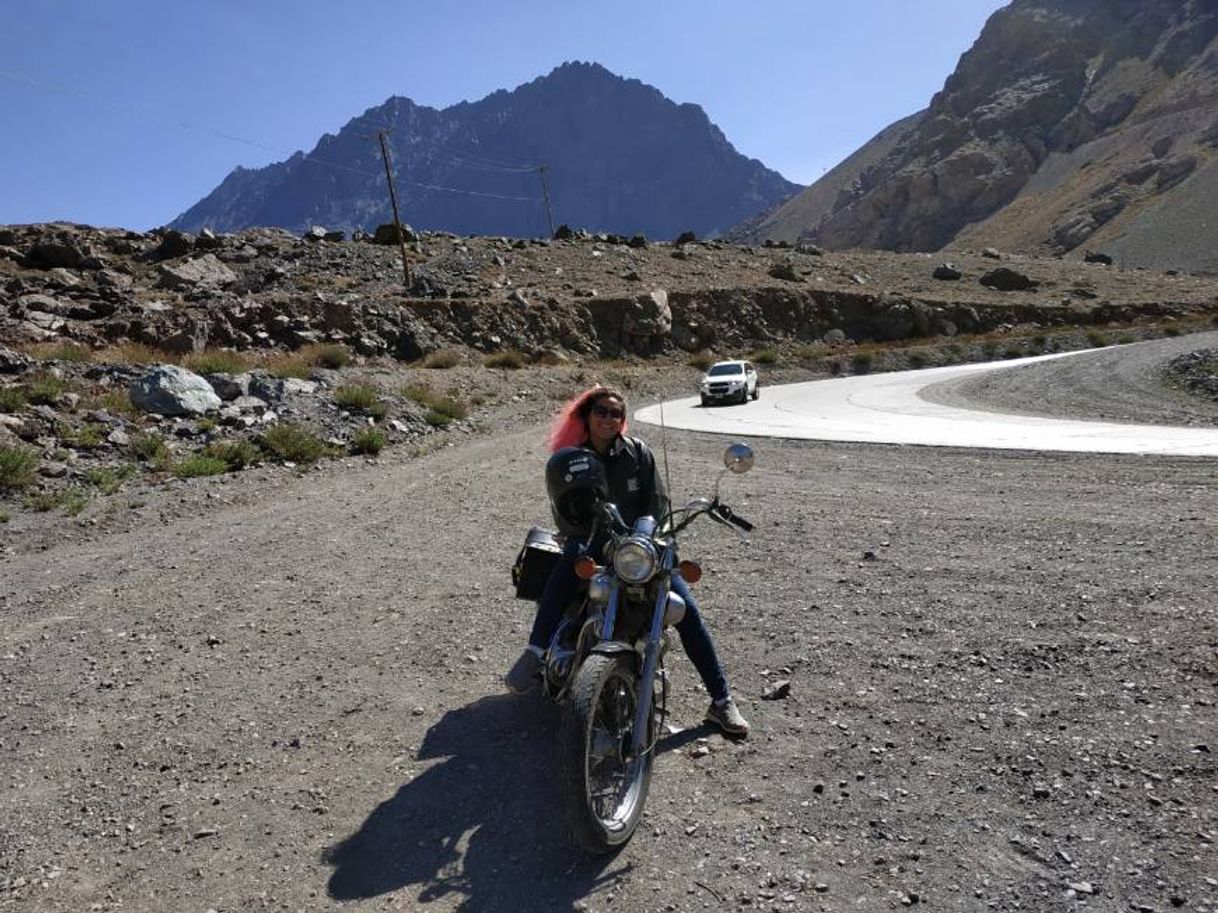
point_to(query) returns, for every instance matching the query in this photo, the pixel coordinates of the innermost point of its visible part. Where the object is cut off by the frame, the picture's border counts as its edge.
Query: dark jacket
(635, 485)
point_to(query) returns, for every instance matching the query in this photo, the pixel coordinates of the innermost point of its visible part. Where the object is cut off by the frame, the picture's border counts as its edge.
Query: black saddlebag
(533, 565)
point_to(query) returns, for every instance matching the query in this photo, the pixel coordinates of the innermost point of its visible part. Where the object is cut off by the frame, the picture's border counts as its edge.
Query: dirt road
(1003, 672)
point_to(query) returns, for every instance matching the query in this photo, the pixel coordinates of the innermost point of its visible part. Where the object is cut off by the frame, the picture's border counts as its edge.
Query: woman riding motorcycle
(596, 421)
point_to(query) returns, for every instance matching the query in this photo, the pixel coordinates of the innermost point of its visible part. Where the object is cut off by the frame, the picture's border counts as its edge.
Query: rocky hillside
(585, 295)
(620, 157)
(1070, 125)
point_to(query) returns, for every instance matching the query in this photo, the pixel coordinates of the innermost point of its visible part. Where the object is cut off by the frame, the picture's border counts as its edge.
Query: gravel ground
(281, 691)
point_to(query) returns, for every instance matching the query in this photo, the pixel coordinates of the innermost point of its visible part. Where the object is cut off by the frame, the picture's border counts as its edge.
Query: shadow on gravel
(484, 824)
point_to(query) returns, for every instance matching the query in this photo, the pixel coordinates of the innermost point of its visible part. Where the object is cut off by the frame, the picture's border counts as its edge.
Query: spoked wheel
(604, 788)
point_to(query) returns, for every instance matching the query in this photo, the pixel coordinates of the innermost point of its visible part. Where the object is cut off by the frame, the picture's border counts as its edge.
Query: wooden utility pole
(393, 198)
(545, 189)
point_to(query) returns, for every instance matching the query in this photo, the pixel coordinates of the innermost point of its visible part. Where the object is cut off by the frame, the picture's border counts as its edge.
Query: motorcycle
(605, 662)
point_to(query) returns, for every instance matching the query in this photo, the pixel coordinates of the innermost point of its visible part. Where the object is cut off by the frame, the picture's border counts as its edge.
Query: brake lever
(726, 513)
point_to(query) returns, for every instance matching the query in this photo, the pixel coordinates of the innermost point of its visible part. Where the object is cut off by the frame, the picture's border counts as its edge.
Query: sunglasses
(608, 412)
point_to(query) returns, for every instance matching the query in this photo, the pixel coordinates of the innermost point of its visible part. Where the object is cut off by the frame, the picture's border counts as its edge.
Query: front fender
(612, 648)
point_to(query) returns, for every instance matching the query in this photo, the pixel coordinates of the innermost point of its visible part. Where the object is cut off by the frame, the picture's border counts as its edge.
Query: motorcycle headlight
(635, 560)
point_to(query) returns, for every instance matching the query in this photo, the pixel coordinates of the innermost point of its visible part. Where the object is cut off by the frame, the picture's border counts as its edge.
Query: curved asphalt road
(888, 409)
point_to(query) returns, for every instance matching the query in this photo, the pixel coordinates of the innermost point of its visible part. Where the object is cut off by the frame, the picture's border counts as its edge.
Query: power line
(150, 114)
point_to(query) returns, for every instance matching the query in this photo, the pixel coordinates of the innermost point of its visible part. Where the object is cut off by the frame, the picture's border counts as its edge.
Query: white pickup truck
(730, 382)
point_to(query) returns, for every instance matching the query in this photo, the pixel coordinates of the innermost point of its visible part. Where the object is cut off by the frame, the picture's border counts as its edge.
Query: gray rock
(776, 691)
(229, 386)
(173, 244)
(44, 304)
(1007, 280)
(835, 337)
(387, 234)
(118, 437)
(52, 469)
(204, 271)
(649, 315)
(276, 389)
(251, 405)
(786, 271)
(170, 390)
(12, 362)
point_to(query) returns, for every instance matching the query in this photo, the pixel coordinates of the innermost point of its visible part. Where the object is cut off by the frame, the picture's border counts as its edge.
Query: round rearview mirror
(738, 457)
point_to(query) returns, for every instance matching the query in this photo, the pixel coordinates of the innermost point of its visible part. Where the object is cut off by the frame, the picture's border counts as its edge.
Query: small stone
(1081, 887)
(776, 691)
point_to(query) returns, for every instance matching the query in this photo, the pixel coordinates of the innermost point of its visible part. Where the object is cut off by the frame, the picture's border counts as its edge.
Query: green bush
(151, 448)
(1097, 339)
(1126, 338)
(437, 402)
(147, 446)
(508, 359)
(11, 399)
(71, 498)
(369, 440)
(861, 362)
(43, 389)
(291, 364)
(444, 358)
(360, 398)
(131, 353)
(437, 419)
(216, 361)
(199, 464)
(116, 402)
(1012, 351)
(1171, 330)
(85, 437)
(765, 357)
(107, 480)
(813, 350)
(918, 359)
(68, 351)
(701, 360)
(17, 466)
(234, 454)
(333, 356)
(291, 443)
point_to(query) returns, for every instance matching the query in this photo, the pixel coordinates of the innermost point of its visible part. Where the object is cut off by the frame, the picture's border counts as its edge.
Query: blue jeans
(561, 589)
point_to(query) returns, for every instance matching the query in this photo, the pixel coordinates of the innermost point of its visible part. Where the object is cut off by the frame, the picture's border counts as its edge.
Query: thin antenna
(664, 452)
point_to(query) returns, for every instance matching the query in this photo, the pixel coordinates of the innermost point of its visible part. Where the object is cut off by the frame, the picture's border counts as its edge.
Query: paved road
(891, 409)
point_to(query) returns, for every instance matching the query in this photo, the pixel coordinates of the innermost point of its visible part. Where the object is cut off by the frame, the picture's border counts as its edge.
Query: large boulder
(648, 315)
(170, 390)
(205, 271)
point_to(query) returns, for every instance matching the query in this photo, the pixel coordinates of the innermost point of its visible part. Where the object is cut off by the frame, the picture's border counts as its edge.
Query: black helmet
(576, 484)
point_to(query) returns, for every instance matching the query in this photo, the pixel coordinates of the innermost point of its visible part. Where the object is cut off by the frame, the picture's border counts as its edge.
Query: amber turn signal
(691, 571)
(585, 568)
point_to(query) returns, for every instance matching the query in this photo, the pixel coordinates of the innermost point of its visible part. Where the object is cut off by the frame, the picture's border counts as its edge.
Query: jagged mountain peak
(620, 157)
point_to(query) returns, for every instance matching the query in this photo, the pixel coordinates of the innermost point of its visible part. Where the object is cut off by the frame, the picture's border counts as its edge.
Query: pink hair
(570, 425)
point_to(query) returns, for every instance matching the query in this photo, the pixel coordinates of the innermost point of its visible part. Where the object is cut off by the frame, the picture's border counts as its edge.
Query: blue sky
(127, 112)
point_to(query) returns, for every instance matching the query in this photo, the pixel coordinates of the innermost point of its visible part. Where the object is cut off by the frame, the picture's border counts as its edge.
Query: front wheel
(603, 788)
